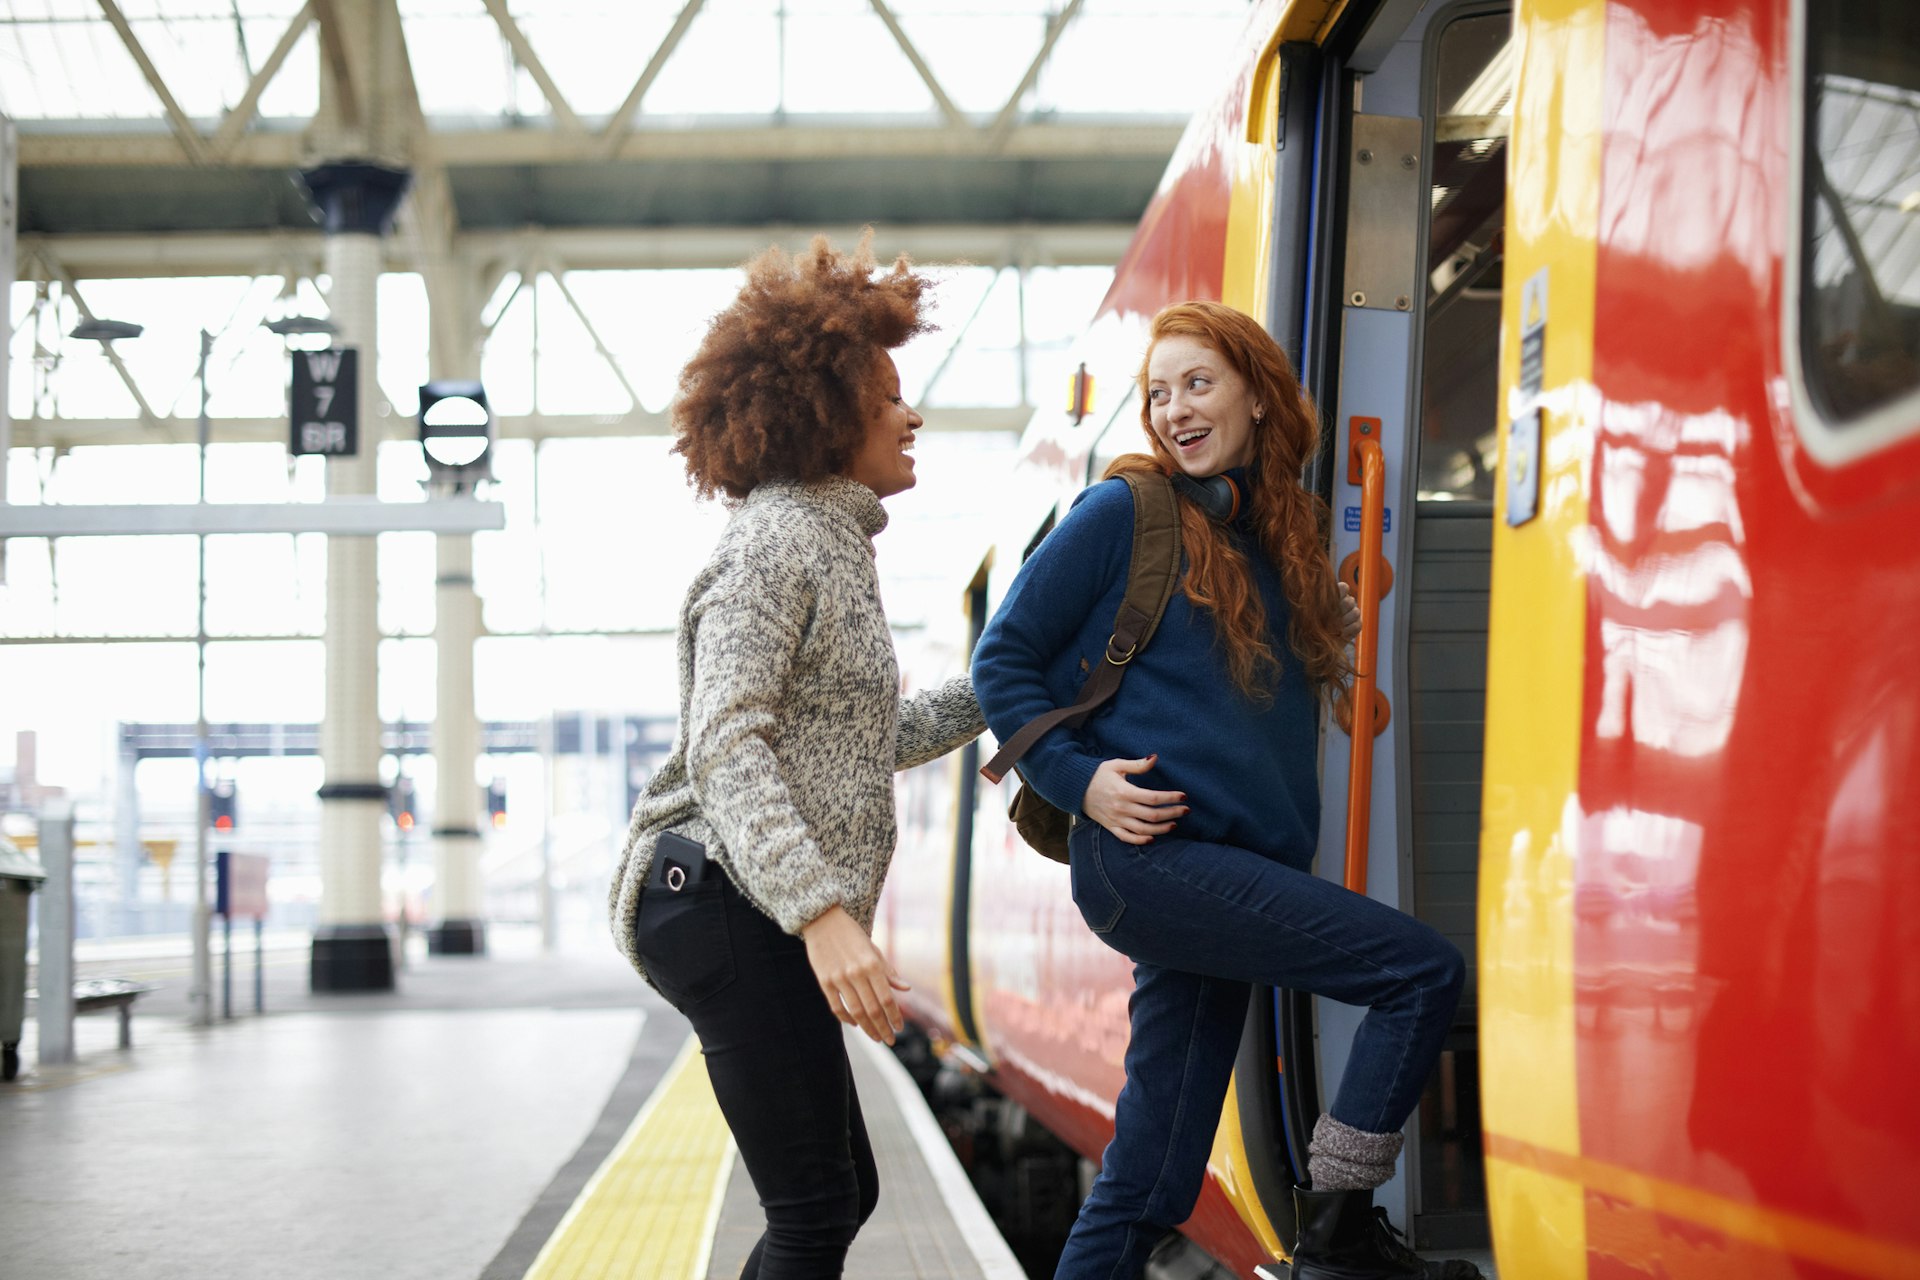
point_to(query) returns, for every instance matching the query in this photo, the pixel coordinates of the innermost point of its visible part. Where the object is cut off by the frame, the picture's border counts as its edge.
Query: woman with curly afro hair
(755, 857)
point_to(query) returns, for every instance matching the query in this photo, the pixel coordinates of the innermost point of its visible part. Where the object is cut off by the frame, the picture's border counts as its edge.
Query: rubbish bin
(20, 875)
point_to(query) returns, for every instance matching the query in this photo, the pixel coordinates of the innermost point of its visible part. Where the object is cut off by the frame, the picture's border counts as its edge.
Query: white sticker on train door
(1523, 431)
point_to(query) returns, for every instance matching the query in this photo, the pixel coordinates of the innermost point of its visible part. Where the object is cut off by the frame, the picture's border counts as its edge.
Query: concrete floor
(401, 1135)
(437, 1132)
(913, 1234)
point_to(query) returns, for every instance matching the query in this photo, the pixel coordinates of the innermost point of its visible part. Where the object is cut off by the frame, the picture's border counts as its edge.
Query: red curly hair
(1289, 523)
(775, 391)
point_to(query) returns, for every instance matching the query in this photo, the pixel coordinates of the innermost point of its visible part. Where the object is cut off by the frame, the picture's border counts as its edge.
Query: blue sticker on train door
(1350, 517)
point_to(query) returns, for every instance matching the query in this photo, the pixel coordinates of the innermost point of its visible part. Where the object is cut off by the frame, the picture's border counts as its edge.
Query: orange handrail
(1373, 506)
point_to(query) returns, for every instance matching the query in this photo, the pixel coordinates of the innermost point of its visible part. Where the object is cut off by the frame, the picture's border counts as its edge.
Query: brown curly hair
(1290, 522)
(775, 390)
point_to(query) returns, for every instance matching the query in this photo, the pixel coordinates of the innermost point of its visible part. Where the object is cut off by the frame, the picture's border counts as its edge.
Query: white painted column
(56, 920)
(128, 851)
(9, 232)
(351, 949)
(459, 896)
(459, 906)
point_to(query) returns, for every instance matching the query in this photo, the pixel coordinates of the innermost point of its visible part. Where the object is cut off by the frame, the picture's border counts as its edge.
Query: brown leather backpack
(1152, 573)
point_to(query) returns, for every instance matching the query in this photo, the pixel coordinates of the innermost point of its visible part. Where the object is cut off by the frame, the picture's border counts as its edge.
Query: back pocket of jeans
(684, 940)
(1100, 903)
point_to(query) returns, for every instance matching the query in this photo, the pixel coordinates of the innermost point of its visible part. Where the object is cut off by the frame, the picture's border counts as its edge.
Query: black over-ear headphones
(1218, 496)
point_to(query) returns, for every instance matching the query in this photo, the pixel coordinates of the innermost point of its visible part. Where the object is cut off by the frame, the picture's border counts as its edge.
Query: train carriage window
(1459, 387)
(1858, 310)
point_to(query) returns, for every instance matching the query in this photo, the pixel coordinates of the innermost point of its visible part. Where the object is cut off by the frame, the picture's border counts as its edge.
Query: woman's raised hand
(856, 979)
(1349, 613)
(1133, 814)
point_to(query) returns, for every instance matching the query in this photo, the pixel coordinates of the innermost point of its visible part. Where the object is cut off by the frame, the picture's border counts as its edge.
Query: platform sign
(326, 402)
(240, 885)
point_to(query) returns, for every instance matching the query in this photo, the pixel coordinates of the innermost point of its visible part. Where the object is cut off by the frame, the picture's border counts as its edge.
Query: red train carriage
(1629, 291)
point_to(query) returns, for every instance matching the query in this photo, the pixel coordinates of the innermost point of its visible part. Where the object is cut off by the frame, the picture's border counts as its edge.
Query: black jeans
(778, 1062)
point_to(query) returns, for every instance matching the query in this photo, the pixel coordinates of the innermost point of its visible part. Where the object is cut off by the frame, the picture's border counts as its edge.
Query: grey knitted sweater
(791, 719)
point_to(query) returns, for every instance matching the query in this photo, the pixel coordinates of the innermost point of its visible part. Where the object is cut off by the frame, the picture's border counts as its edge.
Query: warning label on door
(1350, 517)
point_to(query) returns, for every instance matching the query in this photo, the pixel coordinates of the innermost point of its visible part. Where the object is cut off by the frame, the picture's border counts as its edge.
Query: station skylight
(75, 60)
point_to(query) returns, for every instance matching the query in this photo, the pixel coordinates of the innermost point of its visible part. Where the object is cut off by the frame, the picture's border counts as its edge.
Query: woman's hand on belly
(1133, 814)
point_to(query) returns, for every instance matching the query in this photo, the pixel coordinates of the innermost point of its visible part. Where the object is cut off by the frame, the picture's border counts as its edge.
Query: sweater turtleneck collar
(845, 497)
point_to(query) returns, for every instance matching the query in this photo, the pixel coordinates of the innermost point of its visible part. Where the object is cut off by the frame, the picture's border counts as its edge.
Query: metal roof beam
(68, 145)
(337, 66)
(236, 121)
(619, 123)
(520, 281)
(172, 255)
(430, 219)
(959, 336)
(900, 37)
(523, 50)
(148, 418)
(72, 433)
(190, 140)
(336, 517)
(1002, 126)
(557, 274)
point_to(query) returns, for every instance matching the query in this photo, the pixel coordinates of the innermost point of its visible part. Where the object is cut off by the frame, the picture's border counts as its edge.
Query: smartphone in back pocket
(680, 863)
(680, 931)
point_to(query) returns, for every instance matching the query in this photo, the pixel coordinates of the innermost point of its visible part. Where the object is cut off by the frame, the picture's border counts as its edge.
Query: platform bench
(90, 995)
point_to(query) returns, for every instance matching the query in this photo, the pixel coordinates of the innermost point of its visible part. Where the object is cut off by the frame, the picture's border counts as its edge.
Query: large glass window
(1472, 87)
(1860, 253)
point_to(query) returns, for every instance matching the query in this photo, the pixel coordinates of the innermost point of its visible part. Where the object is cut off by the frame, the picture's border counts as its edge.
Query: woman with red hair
(1196, 804)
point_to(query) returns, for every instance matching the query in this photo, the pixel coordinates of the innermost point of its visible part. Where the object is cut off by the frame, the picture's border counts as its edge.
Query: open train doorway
(1470, 81)
(1419, 342)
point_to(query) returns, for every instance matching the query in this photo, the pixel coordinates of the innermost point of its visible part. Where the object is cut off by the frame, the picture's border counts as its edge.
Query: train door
(1418, 323)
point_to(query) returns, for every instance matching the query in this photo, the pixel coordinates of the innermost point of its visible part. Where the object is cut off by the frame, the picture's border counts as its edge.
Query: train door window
(1472, 83)
(1858, 275)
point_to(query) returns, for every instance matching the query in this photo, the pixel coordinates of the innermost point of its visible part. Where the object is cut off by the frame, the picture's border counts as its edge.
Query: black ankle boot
(1344, 1237)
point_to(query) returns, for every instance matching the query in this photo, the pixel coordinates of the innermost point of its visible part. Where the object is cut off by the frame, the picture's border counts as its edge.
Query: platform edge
(983, 1239)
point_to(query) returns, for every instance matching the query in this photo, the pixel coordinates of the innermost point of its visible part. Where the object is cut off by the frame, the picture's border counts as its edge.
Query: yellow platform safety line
(650, 1210)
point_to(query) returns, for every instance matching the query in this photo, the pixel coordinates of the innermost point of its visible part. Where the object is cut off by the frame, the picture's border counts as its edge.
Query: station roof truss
(164, 136)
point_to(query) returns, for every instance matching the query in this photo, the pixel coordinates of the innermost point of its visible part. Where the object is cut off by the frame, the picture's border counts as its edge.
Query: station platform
(515, 1116)
(670, 1199)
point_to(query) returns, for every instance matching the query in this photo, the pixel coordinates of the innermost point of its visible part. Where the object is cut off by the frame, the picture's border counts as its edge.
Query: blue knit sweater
(1248, 768)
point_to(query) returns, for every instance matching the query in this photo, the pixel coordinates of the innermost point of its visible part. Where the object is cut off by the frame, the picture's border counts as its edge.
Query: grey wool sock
(1343, 1158)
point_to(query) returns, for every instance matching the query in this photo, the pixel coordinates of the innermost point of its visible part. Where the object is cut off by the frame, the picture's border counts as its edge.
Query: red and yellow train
(1629, 291)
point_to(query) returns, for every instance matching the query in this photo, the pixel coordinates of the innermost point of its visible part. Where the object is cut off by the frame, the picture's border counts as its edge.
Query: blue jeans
(1203, 923)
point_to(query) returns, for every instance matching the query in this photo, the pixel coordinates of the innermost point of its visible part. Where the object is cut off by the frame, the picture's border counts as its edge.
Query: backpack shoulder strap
(1153, 570)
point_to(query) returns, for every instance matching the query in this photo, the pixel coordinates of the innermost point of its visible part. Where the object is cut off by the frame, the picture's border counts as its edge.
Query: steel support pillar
(459, 901)
(351, 948)
(128, 851)
(9, 240)
(458, 926)
(55, 975)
